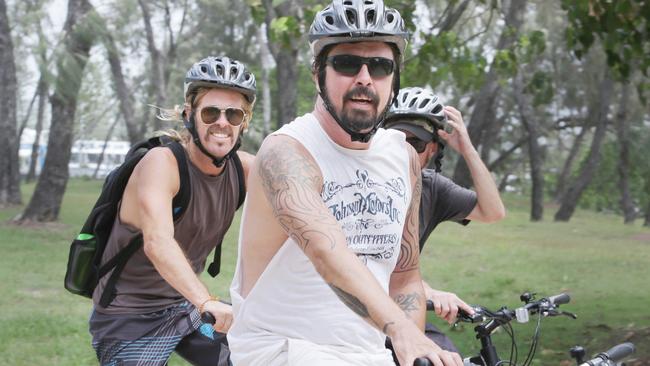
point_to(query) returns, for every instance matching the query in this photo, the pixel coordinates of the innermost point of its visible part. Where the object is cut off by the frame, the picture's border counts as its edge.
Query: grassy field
(602, 263)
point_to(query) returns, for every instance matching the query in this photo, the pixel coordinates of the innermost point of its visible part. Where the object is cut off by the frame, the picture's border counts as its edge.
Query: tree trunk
(28, 114)
(483, 115)
(286, 59)
(109, 134)
(79, 36)
(622, 132)
(599, 113)
(496, 164)
(157, 76)
(121, 89)
(531, 124)
(36, 146)
(561, 185)
(266, 87)
(9, 144)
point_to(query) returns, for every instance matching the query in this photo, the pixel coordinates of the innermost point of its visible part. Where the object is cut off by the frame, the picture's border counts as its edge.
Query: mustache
(362, 91)
(214, 128)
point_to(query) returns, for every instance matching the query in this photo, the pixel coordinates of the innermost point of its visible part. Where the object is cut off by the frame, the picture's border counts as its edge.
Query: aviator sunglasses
(211, 114)
(350, 65)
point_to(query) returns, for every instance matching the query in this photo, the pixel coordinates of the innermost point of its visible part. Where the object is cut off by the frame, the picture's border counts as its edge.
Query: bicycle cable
(533, 346)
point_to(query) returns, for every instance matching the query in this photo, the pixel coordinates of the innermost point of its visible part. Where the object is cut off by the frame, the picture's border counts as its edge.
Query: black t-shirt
(442, 200)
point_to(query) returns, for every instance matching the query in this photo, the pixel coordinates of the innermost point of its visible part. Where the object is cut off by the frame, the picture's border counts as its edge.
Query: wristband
(211, 298)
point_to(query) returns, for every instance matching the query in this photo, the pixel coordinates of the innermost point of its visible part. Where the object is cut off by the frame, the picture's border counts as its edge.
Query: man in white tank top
(328, 252)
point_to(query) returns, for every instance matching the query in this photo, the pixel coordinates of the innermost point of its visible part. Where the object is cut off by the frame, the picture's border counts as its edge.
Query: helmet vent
(412, 103)
(352, 19)
(423, 103)
(220, 70)
(370, 16)
(233, 72)
(247, 76)
(390, 18)
(347, 2)
(437, 109)
(204, 69)
(329, 19)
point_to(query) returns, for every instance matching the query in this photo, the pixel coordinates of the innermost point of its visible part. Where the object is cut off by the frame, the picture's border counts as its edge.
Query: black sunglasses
(211, 114)
(350, 65)
(418, 145)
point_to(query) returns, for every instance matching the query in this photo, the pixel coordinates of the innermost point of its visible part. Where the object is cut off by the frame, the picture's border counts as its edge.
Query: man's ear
(187, 109)
(433, 147)
(314, 78)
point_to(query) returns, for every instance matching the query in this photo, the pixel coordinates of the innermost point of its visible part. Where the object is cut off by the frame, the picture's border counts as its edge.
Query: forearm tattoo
(351, 301)
(410, 250)
(292, 184)
(408, 302)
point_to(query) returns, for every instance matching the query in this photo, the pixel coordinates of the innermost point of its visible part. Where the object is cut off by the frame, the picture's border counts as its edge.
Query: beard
(359, 120)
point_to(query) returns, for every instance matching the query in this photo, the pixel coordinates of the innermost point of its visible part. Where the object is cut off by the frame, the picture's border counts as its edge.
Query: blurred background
(554, 93)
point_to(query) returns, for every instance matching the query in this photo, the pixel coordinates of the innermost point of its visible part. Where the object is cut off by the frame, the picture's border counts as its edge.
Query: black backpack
(86, 251)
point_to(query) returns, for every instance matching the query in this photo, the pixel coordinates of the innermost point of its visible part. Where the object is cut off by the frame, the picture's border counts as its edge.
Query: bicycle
(611, 357)
(488, 321)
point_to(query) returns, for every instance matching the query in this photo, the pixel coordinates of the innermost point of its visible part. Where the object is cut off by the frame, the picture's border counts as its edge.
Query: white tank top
(368, 192)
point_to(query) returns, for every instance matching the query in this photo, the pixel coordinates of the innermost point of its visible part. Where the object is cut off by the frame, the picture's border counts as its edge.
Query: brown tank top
(140, 288)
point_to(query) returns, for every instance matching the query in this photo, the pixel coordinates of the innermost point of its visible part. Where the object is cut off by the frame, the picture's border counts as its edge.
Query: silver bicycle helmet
(346, 21)
(221, 72)
(418, 111)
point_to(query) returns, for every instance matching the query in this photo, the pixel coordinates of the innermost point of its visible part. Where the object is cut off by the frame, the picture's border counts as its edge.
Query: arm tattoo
(352, 302)
(408, 302)
(410, 251)
(292, 184)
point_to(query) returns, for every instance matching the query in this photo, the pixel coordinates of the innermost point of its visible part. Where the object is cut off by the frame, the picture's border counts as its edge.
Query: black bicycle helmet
(349, 21)
(217, 72)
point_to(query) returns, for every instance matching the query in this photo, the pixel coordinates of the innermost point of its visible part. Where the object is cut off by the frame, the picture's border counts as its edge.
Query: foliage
(622, 26)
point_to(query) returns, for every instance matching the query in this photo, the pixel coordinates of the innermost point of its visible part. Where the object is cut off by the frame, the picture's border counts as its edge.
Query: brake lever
(569, 314)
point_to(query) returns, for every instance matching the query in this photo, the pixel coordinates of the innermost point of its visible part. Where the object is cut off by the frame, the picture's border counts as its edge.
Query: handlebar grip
(560, 299)
(421, 361)
(619, 352)
(430, 306)
(208, 318)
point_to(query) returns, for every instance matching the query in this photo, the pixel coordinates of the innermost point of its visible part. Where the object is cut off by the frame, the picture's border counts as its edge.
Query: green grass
(600, 261)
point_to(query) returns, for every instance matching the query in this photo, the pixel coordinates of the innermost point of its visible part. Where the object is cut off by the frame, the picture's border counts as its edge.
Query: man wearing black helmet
(158, 297)
(429, 126)
(330, 224)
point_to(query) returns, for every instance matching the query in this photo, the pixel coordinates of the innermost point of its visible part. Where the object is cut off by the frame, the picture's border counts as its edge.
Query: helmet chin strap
(354, 135)
(218, 162)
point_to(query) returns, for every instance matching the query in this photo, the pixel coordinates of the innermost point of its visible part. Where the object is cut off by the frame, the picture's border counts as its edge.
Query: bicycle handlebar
(207, 317)
(422, 362)
(612, 356)
(560, 299)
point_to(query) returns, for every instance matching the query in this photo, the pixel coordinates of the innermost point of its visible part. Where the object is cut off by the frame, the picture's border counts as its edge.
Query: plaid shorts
(142, 339)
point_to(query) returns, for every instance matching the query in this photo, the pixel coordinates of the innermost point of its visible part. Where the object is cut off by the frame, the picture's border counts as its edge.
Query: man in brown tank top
(159, 297)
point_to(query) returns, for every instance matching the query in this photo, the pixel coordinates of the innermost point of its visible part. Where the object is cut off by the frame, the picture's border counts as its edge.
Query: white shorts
(298, 352)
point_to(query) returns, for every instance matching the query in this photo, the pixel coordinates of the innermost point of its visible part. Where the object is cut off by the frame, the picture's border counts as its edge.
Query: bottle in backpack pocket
(80, 264)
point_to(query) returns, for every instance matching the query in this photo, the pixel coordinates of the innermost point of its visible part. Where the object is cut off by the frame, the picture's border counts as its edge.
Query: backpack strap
(182, 198)
(215, 267)
(241, 178)
(179, 204)
(119, 262)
